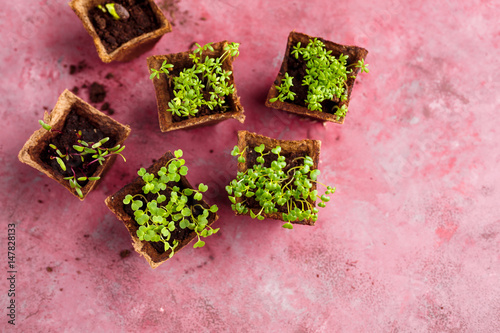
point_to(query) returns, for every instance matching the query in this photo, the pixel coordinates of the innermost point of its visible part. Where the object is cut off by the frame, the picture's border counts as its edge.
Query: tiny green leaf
(202, 187)
(199, 243)
(44, 125)
(61, 163)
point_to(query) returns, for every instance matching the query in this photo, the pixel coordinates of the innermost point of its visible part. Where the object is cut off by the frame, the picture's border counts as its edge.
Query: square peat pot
(164, 91)
(296, 68)
(70, 115)
(126, 38)
(153, 251)
(289, 149)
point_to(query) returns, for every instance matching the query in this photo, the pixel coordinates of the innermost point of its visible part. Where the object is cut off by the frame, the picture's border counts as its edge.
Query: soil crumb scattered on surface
(97, 93)
(75, 69)
(124, 254)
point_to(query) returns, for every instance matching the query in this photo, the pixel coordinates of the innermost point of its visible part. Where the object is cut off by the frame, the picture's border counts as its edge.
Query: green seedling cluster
(88, 152)
(204, 84)
(158, 218)
(326, 77)
(273, 187)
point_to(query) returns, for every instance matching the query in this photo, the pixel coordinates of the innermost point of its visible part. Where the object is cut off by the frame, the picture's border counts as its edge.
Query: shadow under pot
(188, 99)
(151, 215)
(76, 145)
(124, 29)
(316, 78)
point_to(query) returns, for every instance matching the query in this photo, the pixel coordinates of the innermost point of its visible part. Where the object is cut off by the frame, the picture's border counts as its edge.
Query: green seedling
(277, 186)
(172, 207)
(326, 77)
(116, 10)
(203, 84)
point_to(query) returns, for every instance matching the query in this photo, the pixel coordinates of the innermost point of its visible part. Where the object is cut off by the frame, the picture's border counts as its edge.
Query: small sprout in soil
(44, 125)
(326, 77)
(164, 208)
(116, 10)
(163, 69)
(82, 153)
(284, 90)
(277, 187)
(361, 64)
(204, 84)
(340, 112)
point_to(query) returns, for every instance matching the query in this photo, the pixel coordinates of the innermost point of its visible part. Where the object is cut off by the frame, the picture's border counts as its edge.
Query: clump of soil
(97, 93)
(124, 254)
(75, 69)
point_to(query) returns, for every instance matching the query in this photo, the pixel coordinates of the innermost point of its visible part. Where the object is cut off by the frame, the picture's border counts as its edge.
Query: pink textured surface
(409, 243)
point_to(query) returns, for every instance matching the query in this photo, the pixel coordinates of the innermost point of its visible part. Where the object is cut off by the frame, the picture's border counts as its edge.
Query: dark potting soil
(113, 33)
(292, 160)
(64, 142)
(297, 69)
(97, 92)
(178, 234)
(203, 110)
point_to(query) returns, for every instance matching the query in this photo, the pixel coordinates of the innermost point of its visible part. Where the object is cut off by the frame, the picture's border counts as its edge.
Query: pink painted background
(409, 243)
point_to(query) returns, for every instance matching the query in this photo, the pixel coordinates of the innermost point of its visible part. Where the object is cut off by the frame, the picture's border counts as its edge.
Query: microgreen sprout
(165, 68)
(116, 10)
(361, 64)
(276, 187)
(284, 90)
(340, 112)
(44, 125)
(83, 154)
(326, 77)
(204, 84)
(170, 209)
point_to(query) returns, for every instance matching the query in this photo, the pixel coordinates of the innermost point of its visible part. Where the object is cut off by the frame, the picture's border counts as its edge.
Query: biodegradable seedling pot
(131, 48)
(164, 91)
(72, 107)
(289, 149)
(298, 105)
(154, 253)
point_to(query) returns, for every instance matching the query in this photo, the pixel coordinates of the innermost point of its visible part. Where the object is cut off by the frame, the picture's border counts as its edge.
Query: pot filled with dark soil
(124, 29)
(196, 88)
(316, 78)
(277, 179)
(162, 211)
(76, 145)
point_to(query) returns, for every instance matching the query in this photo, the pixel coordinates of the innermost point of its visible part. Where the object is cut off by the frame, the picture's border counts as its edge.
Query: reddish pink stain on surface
(415, 165)
(446, 232)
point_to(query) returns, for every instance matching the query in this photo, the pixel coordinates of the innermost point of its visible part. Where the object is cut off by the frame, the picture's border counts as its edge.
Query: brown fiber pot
(115, 203)
(129, 50)
(303, 147)
(355, 53)
(38, 142)
(164, 91)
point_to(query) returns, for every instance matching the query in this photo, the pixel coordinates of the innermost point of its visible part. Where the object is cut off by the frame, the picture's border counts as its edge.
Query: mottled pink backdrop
(409, 243)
